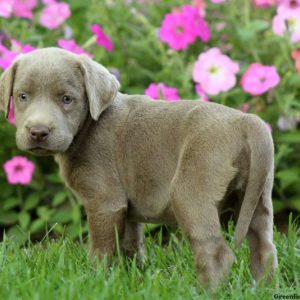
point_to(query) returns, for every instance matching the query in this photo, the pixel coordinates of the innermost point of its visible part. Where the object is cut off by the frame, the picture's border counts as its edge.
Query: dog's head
(52, 92)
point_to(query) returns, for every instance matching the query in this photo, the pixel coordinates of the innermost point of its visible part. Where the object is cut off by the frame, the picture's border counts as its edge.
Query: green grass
(60, 270)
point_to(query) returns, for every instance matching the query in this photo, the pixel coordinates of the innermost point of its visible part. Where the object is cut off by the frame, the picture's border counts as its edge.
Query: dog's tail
(261, 148)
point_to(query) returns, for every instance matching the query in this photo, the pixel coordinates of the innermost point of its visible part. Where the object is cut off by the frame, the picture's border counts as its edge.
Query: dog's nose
(39, 133)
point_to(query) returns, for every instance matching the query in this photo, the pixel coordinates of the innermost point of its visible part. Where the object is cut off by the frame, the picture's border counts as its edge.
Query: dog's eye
(23, 97)
(67, 99)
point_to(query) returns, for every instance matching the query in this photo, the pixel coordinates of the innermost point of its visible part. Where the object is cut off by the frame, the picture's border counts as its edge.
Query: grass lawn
(60, 270)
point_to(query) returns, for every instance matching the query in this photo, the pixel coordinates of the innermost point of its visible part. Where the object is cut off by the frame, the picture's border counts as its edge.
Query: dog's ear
(6, 87)
(101, 86)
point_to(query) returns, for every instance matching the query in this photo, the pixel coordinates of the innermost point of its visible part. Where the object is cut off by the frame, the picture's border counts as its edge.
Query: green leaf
(278, 205)
(72, 231)
(258, 25)
(295, 203)
(32, 201)
(61, 216)
(10, 202)
(36, 225)
(54, 178)
(44, 213)
(17, 234)
(76, 215)
(59, 198)
(288, 177)
(8, 218)
(290, 137)
(294, 80)
(24, 219)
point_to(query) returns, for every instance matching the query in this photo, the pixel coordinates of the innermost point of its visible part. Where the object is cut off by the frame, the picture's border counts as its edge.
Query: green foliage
(60, 270)
(141, 59)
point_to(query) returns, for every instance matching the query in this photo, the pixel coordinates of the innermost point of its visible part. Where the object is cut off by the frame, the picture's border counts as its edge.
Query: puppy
(133, 160)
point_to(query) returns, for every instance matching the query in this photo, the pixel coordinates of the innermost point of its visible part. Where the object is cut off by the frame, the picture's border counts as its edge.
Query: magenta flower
(201, 93)
(18, 47)
(177, 31)
(200, 5)
(7, 56)
(102, 39)
(11, 115)
(263, 3)
(19, 8)
(289, 4)
(287, 20)
(48, 1)
(180, 28)
(245, 107)
(54, 14)
(215, 72)
(19, 170)
(161, 91)
(23, 8)
(6, 8)
(71, 46)
(200, 26)
(258, 79)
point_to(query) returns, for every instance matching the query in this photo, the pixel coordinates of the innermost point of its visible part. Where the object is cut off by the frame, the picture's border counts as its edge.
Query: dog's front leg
(106, 227)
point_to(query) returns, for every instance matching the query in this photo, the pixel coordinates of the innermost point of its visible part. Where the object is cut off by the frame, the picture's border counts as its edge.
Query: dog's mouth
(41, 151)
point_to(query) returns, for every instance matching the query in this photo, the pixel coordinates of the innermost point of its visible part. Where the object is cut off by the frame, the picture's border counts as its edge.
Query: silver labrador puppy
(133, 160)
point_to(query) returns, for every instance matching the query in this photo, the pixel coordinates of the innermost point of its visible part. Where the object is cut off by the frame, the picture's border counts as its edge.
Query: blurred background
(240, 53)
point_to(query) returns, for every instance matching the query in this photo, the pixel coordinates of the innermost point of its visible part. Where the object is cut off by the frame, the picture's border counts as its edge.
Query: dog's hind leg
(200, 221)
(260, 236)
(196, 192)
(132, 242)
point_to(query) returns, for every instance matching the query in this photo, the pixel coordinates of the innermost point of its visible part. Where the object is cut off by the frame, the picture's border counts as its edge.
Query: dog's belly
(166, 217)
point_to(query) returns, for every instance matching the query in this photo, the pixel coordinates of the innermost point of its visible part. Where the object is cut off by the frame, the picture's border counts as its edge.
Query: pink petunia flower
(6, 8)
(71, 46)
(200, 5)
(7, 56)
(18, 47)
(200, 26)
(48, 1)
(161, 91)
(286, 123)
(11, 115)
(201, 93)
(258, 79)
(181, 28)
(263, 3)
(288, 4)
(287, 20)
(102, 39)
(19, 170)
(177, 31)
(296, 56)
(23, 8)
(215, 72)
(54, 14)
(217, 1)
(245, 107)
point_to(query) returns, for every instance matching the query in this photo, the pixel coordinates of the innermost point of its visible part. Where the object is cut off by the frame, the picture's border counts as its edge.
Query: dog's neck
(77, 140)
(81, 135)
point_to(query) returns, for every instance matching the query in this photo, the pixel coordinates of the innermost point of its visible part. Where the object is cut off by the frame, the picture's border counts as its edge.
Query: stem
(247, 12)
(90, 42)
(20, 195)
